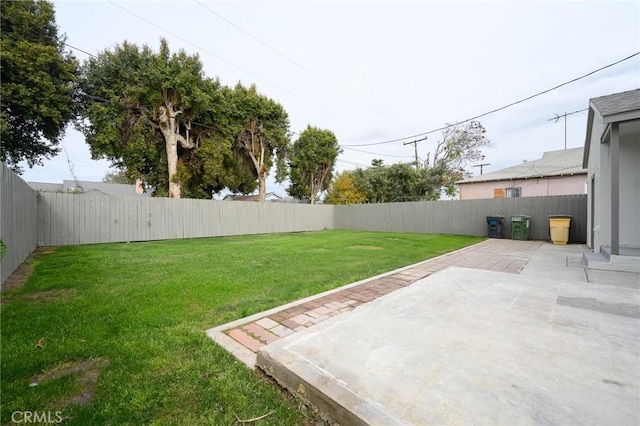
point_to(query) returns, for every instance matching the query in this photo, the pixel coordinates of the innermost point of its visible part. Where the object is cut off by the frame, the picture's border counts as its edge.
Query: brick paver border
(262, 329)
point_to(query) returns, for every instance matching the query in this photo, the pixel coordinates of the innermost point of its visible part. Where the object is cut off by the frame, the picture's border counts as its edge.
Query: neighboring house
(612, 157)
(556, 173)
(74, 186)
(269, 196)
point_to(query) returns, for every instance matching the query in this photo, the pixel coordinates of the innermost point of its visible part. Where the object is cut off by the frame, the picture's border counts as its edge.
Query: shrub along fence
(30, 219)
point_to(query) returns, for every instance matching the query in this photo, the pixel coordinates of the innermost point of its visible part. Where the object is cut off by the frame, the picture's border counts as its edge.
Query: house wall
(599, 165)
(630, 191)
(465, 217)
(18, 221)
(597, 168)
(535, 187)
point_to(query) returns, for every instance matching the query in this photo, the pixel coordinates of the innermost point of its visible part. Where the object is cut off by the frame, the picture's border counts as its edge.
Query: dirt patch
(18, 278)
(46, 296)
(24, 271)
(312, 416)
(89, 373)
(363, 247)
(318, 250)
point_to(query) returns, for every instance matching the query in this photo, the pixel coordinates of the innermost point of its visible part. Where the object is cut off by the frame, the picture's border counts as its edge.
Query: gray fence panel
(465, 217)
(65, 218)
(18, 221)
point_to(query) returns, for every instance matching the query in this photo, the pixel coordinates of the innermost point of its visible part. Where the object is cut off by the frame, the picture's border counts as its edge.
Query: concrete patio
(503, 332)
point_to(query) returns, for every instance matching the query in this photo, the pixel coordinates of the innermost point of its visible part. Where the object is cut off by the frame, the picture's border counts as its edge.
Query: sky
(377, 71)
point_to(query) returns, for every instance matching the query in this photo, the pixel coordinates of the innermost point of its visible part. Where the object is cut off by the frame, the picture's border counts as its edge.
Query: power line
(348, 162)
(98, 98)
(378, 153)
(217, 57)
(273, 49)
(296, 63)
(501, 108)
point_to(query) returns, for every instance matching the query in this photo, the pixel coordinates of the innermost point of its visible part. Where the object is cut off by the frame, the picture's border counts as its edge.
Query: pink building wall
(532, 187)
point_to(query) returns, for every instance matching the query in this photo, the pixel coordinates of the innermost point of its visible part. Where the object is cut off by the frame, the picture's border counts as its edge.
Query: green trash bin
(520, 227)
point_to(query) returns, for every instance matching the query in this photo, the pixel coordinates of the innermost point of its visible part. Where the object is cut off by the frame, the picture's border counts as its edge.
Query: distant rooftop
(85, 186)
(553, 163)
(269, 196)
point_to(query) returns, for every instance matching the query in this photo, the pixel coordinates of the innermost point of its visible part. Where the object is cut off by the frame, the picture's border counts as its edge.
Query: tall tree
(311, 163)
(373, 182)
(343, 190)
(37, 83)
(118, 176)
(140, 108)
(461, 144)
(260, 127)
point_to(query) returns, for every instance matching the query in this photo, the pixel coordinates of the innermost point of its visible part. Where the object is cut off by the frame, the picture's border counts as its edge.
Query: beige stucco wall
(536, 187)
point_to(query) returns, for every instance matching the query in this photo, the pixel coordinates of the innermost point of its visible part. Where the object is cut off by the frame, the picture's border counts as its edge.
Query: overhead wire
(286, 57)
(376, 153)
(231, 64)
(98, 98)
(273, 49)
(351, 146)
(500, 108)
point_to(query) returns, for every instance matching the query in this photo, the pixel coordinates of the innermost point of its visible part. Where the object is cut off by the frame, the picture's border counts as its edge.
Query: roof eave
(587, 141)
(622, 116)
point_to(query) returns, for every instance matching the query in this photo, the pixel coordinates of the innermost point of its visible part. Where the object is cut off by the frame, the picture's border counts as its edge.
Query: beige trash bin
(559, 228)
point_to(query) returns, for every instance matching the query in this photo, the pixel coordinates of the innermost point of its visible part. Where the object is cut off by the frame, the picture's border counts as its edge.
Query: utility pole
(481, 166)
(415, 145)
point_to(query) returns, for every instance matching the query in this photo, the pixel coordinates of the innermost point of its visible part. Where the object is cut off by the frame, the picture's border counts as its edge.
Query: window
(512, 192)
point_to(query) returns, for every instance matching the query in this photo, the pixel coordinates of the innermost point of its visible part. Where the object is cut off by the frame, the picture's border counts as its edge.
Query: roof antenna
(559, 116)
(482, 166)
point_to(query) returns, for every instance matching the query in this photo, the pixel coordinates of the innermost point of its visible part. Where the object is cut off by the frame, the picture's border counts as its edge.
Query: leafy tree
(119, 176)
(142, 110)
(37, 83)
(388, 183)
(343, 190)
(311, 163)
(259, 127)
(397, 182)
(460, 145)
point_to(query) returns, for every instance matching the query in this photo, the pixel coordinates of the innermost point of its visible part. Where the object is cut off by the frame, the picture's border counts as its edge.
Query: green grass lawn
(114, 333)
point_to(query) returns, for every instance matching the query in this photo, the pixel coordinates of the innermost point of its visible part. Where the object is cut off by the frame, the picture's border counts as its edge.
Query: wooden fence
(88, 218)
(18, 221)
(466, 217)
(29, 219)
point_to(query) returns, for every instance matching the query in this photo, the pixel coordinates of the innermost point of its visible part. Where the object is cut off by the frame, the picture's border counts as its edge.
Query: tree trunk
(252, 140)
(175, 188)
(312, 198)
(262, 186)
(170, 129)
